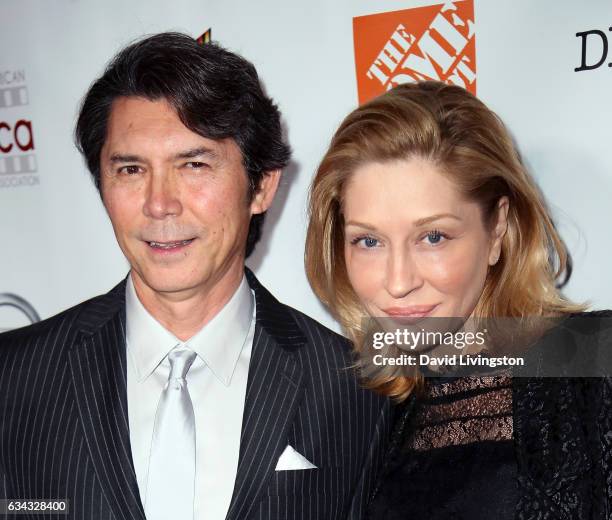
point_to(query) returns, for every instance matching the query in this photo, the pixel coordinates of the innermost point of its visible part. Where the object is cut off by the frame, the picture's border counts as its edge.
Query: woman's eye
(434, 237)
(365, 242)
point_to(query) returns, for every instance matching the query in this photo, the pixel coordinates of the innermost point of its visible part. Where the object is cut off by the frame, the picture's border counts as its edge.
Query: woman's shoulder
(577, 345)
(603, 313)
(597, 319)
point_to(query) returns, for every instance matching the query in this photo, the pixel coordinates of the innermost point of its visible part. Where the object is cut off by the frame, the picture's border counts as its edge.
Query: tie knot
(181, 360)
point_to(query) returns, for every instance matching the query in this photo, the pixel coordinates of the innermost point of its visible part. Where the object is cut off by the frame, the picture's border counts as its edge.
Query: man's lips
(412, 311)
(169, 245)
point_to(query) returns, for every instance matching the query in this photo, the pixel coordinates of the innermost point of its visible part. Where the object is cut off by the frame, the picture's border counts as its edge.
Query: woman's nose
(403, 275)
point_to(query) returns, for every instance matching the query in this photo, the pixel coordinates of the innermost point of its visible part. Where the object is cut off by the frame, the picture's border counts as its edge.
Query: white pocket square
(292, 460)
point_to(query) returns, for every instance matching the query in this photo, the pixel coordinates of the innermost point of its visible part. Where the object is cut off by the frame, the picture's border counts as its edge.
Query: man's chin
(163, 283)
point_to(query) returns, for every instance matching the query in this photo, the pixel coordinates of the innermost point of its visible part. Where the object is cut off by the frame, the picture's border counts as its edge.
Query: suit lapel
(274, 389)
(97, 364)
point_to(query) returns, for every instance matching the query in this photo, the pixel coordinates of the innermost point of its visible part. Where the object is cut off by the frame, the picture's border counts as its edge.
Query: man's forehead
(124, 108)
(140, 115)
(137, 121)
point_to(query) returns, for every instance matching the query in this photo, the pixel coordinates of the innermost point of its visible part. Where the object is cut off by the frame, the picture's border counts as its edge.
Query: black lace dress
(453, 454)
(500, 447)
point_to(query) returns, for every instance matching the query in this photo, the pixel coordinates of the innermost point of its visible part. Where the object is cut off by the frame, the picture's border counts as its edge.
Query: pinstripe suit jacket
(64, 430)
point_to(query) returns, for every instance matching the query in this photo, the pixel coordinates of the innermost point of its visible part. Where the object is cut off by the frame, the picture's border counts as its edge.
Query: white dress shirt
(217, 385)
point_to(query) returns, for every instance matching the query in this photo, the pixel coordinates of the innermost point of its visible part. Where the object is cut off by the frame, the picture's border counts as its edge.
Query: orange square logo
(432, 42)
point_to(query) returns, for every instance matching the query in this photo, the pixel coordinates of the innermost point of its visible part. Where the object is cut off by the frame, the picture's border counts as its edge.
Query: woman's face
(414, 246)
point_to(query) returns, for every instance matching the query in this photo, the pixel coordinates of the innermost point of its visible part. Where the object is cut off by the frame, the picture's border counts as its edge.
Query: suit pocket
(307, 494)
(314, 507)
(307, 482)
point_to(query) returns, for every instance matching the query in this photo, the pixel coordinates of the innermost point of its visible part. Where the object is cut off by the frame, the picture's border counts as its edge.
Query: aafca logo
(431, 42)
(18, 165)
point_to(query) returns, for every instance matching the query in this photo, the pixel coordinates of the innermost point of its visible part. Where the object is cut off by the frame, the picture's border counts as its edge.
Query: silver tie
(171, 480)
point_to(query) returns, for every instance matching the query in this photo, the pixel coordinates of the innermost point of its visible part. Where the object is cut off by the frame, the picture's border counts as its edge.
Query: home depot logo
(431, 42)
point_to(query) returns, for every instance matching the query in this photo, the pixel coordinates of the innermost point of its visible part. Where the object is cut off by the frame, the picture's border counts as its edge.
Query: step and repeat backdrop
(545, 67)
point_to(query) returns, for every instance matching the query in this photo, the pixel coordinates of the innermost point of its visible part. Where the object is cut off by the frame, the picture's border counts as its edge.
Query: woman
(422, 208)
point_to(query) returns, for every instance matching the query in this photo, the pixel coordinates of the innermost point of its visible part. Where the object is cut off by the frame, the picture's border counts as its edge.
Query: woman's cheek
(366, 272)
(448, 270)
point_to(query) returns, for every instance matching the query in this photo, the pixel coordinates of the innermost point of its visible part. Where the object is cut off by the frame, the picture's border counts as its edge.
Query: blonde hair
(467, 142)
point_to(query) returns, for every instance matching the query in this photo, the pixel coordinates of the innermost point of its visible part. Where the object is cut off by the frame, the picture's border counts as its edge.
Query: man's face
(178, 202)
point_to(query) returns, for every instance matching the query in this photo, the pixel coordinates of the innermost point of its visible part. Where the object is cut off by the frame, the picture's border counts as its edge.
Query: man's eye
(130, 169)
(196, 165)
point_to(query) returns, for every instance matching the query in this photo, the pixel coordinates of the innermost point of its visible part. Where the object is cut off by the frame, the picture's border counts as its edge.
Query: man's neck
(184, 313)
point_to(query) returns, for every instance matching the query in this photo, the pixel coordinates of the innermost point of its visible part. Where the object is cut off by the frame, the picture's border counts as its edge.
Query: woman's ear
(499, 229)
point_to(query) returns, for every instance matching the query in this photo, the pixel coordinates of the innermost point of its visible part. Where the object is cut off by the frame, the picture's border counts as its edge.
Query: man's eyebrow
(121, 158)
(196, 152)
(187, 154)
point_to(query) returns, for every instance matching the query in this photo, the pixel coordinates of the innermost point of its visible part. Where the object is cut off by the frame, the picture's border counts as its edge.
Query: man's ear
(499, 230)
(263, 197)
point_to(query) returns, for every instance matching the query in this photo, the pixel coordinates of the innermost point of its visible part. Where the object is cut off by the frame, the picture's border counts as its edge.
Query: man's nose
(403, 274)
(163, 196)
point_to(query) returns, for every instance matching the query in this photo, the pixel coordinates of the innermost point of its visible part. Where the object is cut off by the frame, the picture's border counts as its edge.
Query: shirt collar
(219, 343)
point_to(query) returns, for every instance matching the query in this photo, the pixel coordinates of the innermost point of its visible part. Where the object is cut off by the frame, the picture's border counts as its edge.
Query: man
(187, 391)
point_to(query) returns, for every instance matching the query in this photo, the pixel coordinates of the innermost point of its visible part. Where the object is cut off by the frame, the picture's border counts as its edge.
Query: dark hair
(216, 94)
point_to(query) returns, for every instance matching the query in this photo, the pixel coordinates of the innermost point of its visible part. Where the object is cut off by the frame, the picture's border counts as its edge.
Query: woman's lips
(413, 311)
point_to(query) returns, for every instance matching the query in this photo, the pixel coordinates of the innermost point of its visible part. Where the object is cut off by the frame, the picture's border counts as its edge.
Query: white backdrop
(57, 245)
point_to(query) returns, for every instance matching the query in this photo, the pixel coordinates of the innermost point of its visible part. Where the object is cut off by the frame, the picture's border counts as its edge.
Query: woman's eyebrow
(360, 224)
(427, 220)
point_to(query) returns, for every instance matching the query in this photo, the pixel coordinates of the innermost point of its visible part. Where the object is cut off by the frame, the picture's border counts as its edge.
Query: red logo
(431, 42)
(20, 135)
(205, 37)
